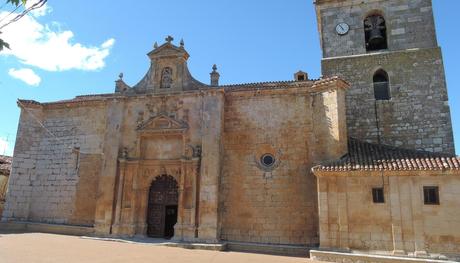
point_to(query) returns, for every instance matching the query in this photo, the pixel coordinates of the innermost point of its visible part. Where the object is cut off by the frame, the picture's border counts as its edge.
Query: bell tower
(387, 50)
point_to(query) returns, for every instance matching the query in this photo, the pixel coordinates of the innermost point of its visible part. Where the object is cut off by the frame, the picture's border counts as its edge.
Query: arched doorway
(162, 207)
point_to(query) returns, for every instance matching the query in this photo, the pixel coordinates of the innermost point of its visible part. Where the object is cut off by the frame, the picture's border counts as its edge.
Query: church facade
(172, 157)
(331, 163)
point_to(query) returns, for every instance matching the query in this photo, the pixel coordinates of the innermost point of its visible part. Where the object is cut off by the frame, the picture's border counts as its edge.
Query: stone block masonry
(276, 205)
(46, 169)
(410, 24)
(418, 114)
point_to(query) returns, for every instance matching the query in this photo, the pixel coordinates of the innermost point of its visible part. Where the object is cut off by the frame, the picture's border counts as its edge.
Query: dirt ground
(46, 248)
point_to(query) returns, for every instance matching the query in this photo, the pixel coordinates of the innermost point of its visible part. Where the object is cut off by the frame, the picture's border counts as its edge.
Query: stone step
(17, 227)
(164, 242)
(284, 250)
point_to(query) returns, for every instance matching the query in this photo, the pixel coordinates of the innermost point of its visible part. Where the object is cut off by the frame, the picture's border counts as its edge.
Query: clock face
(342, 29)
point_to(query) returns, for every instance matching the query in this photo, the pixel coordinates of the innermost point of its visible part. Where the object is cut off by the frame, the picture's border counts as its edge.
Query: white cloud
(27, 75)
(47, 47)
(3, 146)
(42, 11)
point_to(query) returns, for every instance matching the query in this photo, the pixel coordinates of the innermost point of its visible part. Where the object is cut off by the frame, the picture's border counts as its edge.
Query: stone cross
(169, 39)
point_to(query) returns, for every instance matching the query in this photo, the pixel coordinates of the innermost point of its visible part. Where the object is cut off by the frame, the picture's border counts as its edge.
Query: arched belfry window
(381, 85)
(376, 33)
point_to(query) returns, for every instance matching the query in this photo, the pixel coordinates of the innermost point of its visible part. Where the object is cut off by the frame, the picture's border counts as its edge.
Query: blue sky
(79, 47)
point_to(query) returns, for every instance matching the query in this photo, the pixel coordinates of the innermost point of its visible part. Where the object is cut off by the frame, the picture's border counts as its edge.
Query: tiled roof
(363, 156)
(282, 84)
(5, 164)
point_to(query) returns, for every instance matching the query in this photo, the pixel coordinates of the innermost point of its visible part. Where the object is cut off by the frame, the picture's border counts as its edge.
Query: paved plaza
(47, 248)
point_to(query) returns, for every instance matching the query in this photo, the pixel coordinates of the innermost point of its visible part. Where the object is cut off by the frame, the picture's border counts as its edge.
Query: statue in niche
(192, 152)
(125, 153)
(166, 78)
(140, 118)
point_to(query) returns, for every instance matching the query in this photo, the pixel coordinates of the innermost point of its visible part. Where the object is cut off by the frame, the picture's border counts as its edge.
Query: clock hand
(341, 27)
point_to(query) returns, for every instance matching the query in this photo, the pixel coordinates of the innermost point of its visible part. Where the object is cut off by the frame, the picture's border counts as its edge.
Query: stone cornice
(286, 87)
(100, 100)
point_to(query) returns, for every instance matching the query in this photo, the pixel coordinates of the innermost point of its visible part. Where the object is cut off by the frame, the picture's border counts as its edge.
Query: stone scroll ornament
(166, 107)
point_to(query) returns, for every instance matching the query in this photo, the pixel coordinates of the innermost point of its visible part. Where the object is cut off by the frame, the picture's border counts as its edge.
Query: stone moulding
(311, 86)
(328, 256)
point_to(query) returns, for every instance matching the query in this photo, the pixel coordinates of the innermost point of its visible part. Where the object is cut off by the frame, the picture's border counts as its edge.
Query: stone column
(342, 203)
(106, 188)
(141, 220)
(119, 199)
(212, 127)
(179, 227)
(417, 218)
(396, 219)
(322, 184)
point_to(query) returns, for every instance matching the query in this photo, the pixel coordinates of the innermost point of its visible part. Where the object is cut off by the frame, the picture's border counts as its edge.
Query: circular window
(267, 160)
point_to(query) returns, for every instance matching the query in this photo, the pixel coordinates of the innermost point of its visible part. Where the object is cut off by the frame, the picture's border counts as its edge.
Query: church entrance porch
(162, 207)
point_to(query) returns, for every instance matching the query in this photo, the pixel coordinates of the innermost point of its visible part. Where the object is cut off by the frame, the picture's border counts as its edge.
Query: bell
(376, 37)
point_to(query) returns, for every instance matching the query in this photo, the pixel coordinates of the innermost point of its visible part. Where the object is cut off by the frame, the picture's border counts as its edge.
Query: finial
(121, 76)
(155, 46)
(182, 43)
(215, 76)
(169, 39)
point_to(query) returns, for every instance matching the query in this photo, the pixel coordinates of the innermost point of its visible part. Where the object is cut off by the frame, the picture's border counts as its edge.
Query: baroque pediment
(162, 124)
(168, 50)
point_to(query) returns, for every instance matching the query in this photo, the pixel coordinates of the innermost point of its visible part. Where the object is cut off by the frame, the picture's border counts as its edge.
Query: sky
(70, 48)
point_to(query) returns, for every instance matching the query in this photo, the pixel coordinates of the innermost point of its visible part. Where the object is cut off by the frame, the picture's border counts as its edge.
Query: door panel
(170, 220)
(162, 207)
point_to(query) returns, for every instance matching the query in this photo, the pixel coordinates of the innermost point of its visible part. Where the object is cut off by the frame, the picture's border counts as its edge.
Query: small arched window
(375, 31)
(381, 85)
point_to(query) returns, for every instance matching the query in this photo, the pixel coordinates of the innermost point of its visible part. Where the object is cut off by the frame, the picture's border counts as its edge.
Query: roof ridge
(263, 83)
(368, 156)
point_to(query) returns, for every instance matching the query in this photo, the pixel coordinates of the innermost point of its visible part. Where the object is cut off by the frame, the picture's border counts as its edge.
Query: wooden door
(162, 196)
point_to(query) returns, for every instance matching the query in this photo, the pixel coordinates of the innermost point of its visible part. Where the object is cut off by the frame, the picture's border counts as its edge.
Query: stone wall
(47, 168)
(418, 114)
(277, 205)
(410, 24)
(86, 190)
(403, 224)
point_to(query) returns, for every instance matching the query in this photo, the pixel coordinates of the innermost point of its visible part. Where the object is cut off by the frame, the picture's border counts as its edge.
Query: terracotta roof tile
(364, 156)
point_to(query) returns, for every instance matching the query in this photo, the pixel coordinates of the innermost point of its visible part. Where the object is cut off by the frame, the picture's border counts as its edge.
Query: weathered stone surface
(418, 114)
(91, 161)
(350, 220)
(239, 158)
(271, 206)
